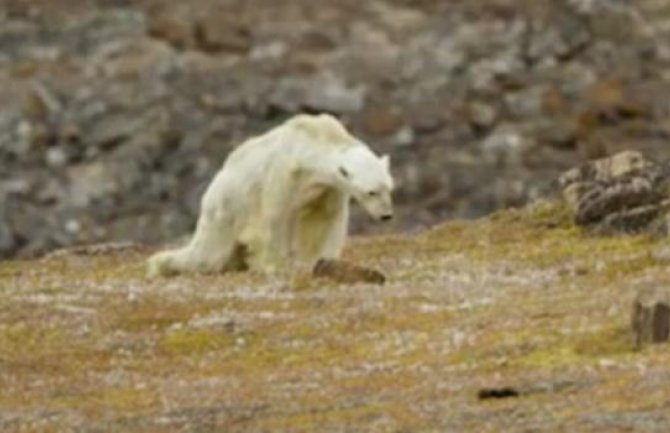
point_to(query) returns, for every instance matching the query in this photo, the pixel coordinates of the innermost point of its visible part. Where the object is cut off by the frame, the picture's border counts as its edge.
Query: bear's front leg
(274, 254)
(280, 254)
(323, 227)
(276, 248)
(337, 230)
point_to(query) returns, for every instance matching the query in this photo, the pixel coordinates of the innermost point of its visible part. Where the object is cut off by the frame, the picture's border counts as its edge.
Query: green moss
(541, 236)
(195, 342)
(26, 338)
(98, 400)
(11, 268)
(548, 214)
(549, 358)
(605, 342)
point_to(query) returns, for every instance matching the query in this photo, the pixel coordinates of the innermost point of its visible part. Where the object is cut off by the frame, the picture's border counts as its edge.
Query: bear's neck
(320, 170)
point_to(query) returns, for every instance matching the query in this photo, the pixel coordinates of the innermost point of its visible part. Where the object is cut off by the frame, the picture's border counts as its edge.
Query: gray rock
(324, 92)
(403, 137)
(7, 237)
(527, 102)
(481, 114)
(113, 129)
(57, 157)
(505, 146)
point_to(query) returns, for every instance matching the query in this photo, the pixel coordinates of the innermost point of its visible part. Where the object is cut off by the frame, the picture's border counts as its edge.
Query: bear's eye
(372, 194)
(344, 172)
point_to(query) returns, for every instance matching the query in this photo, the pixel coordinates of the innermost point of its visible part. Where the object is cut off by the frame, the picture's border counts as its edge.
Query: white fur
(283, 198)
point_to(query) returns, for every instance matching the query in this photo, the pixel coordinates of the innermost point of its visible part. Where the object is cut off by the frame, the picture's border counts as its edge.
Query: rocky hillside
(114, 115)
(518, 322)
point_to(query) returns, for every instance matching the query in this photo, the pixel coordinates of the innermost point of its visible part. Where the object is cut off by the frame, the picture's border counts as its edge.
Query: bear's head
(367, 178)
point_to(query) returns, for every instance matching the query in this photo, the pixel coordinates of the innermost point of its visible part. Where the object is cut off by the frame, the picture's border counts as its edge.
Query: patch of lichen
(548, 214)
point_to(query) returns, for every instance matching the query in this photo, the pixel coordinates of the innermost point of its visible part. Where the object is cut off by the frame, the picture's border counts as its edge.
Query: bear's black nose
(387, 217)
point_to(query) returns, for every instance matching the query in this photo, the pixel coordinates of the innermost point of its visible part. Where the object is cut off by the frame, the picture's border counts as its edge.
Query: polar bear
(282, 199)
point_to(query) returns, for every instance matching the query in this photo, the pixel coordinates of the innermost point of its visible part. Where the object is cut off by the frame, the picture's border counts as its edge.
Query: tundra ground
(520, 300)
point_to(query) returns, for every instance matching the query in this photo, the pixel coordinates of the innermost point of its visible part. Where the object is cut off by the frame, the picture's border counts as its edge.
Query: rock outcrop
(622, 193)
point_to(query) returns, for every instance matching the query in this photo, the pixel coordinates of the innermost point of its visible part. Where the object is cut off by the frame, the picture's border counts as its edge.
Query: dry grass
(520, 299)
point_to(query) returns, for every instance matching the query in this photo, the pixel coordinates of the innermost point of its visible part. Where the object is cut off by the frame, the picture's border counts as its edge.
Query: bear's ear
(386, 160)
(343, 172)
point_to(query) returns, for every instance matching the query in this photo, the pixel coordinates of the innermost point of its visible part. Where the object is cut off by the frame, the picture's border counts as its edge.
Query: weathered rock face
(650, 321)
(115, 115)
(621, 193)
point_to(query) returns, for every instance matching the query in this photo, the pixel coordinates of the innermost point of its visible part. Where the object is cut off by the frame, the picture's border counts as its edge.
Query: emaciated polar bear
(282, 199)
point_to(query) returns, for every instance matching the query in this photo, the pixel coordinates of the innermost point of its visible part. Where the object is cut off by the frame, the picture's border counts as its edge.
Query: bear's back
(298, 134)
(323, 129)
(253, 147)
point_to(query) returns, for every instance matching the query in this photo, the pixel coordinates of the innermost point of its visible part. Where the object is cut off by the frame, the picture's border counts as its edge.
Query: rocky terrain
(114, 115)
(518, 322)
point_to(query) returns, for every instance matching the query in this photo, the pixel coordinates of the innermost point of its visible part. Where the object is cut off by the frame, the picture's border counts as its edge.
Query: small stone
(612, 98)
(218, 32)
(497, 393)
(505, 146)
(382, 122)
(270, 51)
(73, 226)
(113, 130)
(557, 132)
(481, 115)
(526, 102)
(404, 137)
(70, 132)
(331, 94)
(24, 129)
(398, 19)
(323, 93)
(347, 273)
(175, 30)
(554, 100)
(57, 157)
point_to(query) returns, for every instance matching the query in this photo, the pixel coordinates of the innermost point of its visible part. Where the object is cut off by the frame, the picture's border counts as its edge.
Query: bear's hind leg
(210, 249)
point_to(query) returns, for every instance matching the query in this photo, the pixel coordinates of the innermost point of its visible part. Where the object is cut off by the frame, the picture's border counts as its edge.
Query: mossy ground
(520, 299)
